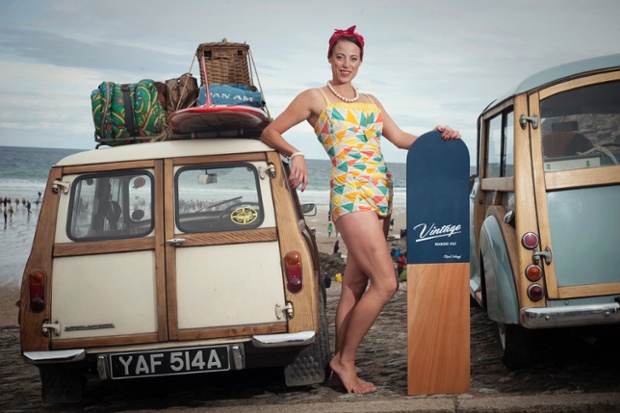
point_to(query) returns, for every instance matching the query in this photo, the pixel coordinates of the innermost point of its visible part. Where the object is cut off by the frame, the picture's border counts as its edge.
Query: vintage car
(545, 216)
(168, 258)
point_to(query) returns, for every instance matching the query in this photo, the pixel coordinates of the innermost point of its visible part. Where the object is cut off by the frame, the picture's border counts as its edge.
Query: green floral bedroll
(117, 122)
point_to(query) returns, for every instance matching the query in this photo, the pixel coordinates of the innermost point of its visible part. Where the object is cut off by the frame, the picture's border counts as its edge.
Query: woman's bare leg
(364, 233)
(354, 283)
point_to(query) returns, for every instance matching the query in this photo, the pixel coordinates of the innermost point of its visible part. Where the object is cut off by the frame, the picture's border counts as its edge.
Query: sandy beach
(16, 241)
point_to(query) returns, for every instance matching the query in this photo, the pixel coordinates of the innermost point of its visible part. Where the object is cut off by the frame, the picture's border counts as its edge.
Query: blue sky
(428, 62)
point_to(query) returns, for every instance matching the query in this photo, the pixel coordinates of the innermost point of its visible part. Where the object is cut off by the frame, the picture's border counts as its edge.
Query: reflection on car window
(218, 198)
(111, 206)
(581, 127)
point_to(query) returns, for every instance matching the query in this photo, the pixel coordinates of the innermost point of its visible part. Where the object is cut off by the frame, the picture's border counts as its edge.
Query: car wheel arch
(500, 295)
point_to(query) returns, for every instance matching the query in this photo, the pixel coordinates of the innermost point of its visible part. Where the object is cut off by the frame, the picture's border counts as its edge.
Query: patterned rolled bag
(125, 111)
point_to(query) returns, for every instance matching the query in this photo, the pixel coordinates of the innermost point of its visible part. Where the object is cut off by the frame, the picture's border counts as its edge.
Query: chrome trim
(54, 356)
(303, 338)
(570, 316)
(238, 356)
(102, 368)
(175, 242)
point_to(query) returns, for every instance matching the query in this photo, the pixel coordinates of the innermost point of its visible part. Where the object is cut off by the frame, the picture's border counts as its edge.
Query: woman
(349, 125)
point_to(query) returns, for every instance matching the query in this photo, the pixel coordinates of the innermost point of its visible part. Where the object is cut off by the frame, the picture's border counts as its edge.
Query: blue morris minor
(545, 221)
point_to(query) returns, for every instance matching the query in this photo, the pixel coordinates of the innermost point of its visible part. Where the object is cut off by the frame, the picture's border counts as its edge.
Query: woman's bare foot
(337, 384)
(344, 376)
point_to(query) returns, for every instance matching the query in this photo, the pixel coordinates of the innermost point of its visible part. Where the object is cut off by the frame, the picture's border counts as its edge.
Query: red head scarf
(350, 32)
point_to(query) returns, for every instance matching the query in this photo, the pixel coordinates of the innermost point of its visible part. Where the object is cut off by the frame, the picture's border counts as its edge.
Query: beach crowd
(11, 206)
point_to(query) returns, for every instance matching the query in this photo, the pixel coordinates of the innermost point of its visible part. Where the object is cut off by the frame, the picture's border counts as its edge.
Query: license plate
(169, 362)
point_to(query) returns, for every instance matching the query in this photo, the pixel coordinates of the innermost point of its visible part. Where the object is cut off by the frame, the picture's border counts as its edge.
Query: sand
(16, 242)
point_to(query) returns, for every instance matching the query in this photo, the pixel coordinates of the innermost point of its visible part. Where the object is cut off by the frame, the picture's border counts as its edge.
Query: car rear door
(576, 155)
(223, 264)
(108, 271)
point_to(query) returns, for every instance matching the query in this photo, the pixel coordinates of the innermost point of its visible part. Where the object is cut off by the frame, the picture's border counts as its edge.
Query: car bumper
(54, 356)
(235, 351)
(570, 316)
(303, 338)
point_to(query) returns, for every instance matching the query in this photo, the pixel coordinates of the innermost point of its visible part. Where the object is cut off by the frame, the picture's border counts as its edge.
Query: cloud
(428, 62)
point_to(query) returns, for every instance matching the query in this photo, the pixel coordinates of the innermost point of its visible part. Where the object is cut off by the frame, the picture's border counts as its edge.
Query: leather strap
(130, 118)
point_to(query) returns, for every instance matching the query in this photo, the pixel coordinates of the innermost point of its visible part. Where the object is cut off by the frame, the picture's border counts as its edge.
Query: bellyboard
(438, 337)
(218, 118)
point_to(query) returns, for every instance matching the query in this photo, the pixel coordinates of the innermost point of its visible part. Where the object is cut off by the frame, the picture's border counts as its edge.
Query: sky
(428, 62)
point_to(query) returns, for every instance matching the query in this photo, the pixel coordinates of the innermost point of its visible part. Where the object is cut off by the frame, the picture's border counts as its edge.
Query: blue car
(545, 205)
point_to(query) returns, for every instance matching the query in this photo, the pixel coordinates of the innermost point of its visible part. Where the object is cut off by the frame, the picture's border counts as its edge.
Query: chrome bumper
(302, 338)
(570, 316)
(54, 356)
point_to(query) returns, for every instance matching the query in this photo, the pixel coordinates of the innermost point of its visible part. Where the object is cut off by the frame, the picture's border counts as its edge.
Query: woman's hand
(448, 133)
(299, 173)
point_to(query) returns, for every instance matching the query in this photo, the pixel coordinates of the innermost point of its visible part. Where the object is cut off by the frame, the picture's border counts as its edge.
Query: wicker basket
(224, 62)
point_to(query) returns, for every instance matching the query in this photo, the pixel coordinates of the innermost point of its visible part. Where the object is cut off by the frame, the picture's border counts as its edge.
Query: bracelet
(296, 154)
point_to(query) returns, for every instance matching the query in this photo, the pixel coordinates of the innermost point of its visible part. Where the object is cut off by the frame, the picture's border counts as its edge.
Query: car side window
(211, 198)
(108, 206)
(508, 157)
(500, 159)
(495, 147)
(500, 155)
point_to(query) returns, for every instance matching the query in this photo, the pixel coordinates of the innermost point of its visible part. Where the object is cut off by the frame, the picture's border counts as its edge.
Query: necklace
(339, 96)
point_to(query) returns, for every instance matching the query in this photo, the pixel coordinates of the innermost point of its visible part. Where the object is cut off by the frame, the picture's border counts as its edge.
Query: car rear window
(581, 127)
(212, 198)
(107, 206)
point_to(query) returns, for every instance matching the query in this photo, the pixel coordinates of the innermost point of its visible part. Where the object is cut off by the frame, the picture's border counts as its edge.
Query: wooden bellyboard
(216, 118)
(438, 354)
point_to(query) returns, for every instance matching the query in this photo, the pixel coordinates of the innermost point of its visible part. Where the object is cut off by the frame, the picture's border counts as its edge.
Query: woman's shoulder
(312, 93)
(371, 98)
(312, 99)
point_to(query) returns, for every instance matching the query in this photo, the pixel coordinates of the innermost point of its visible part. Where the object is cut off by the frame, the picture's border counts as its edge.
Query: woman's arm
(299, 110)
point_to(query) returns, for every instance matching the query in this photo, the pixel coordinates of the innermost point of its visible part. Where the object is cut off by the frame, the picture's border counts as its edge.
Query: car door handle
(176, 242)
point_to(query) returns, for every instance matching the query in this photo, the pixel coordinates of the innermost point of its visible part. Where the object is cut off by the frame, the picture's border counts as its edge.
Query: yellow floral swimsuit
(360, 180)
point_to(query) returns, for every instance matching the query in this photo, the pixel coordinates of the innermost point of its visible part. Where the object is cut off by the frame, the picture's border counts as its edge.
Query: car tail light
(533, 272)
(530, 240)
(536, 292)
(294, 274)
(36, 285)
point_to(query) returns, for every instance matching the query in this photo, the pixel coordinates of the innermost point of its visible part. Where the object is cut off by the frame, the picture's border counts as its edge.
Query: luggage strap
(130, 119)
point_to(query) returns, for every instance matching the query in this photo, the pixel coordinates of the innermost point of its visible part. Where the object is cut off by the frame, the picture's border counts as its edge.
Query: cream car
(167, 258)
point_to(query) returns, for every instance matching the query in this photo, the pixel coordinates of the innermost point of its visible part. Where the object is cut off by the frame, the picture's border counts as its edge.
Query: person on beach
(401, 262)
(349, 125)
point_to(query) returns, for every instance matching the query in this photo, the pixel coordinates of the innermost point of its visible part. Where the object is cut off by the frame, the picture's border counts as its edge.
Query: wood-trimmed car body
(174, 257)
(545, 216)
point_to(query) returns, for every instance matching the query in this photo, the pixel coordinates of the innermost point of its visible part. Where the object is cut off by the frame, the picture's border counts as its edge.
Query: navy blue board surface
(437, 200)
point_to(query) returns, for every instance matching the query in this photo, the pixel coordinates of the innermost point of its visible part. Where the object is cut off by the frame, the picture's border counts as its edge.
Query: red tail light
(533, 272)
(530, 240)
(294, 274)
(36, 284)
(535, 292)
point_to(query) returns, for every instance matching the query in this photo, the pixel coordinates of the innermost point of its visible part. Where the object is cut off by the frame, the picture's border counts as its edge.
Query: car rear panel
(588, 217)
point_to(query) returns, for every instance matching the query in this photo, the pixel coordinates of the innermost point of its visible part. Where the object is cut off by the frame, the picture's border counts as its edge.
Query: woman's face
(345, 60)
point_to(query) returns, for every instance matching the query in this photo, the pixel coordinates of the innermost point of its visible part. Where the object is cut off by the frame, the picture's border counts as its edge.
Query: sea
(23, 176)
